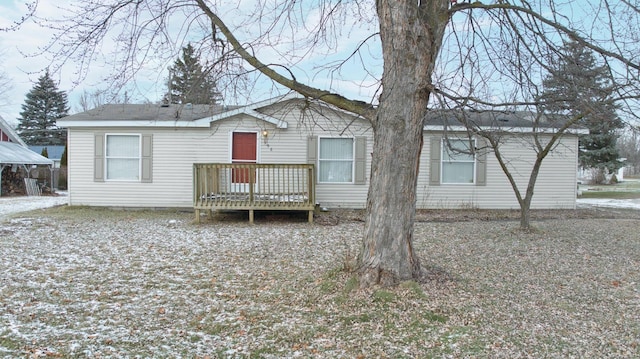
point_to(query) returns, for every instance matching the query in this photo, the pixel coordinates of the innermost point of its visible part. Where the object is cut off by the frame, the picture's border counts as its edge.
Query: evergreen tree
(578, 85)
(62, 173)
(44, 104)
(189, 82)
(63, 159)
(44, 153)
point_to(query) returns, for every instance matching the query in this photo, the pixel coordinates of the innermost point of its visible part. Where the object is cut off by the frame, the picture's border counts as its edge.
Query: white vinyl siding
(167, 157)
(555, 187)
(175, 150)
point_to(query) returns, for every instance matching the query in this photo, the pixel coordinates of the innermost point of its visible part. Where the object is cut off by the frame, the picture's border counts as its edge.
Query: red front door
(243, 150)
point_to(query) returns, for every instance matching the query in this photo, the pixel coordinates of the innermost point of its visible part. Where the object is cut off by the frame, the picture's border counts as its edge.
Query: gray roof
(494, 119)
(54, 152)
(14, 154)
(147, 112)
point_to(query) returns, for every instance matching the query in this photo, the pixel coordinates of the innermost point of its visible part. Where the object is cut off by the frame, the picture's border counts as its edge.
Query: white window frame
(352, 160)
(444, 148)
(107, 158)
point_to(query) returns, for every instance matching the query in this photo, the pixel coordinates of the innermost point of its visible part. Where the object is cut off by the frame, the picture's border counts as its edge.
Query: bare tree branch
(358, 107)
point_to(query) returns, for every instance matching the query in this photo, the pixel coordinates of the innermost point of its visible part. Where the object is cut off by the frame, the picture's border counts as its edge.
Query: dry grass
(99, 283)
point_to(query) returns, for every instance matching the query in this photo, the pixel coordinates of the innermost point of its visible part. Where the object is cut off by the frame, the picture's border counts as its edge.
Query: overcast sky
(20, 61)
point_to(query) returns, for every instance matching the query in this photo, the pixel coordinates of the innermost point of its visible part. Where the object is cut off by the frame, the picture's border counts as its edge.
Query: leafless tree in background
(5, 85)
(629, 145)
(91, 99)
(435, 54)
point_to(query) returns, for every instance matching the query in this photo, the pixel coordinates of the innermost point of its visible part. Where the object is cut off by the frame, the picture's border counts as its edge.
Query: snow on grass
(100, 283)
(12, 205)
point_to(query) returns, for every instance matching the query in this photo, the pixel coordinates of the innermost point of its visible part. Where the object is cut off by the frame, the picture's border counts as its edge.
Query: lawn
(628, 189)
(99, 283)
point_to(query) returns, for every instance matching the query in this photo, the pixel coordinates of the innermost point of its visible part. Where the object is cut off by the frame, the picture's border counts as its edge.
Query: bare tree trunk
(525, 213)
(387, 255)
(525, 204)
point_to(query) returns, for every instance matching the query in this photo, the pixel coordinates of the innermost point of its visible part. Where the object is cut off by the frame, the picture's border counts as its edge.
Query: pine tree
(63, 159)
(44, 104)
(189, 82)
(62, 173)
(579, 86)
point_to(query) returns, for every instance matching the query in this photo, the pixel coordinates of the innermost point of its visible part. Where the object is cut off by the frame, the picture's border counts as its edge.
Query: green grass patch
(434, 317)
(414, 288)
(383, 296)
(8, 343)
(610, 194)
(350, 285)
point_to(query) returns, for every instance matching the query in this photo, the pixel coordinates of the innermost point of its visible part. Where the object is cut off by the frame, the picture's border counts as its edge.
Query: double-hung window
(458, 161)
(122, 157)
(336, 160)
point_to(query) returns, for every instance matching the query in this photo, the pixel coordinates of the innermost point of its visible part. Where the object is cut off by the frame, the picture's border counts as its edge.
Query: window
(342, 160)
(335, 160)
(458, 163)
(122, 157)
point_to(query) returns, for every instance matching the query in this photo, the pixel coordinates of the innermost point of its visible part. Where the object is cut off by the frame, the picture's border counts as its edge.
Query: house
(162, 156)
(16, 156)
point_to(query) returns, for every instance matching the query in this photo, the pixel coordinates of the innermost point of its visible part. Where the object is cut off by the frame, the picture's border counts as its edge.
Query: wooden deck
(252, 186)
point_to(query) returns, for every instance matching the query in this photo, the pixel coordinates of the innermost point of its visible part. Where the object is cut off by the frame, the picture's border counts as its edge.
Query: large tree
(577, 85)
(189, 82)
(435, 53)
(43, 106)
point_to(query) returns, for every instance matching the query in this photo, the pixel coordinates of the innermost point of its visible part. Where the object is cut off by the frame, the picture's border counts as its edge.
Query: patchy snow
(609, 203)
(94, 283)
(13, 205)
(99, 283)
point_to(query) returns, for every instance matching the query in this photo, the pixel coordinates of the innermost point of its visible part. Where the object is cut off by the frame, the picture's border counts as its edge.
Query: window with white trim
(335, 160)
(122, 157)
(458, 161)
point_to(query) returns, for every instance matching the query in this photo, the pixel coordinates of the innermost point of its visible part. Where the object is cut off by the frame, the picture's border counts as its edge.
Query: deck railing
(253, 186)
